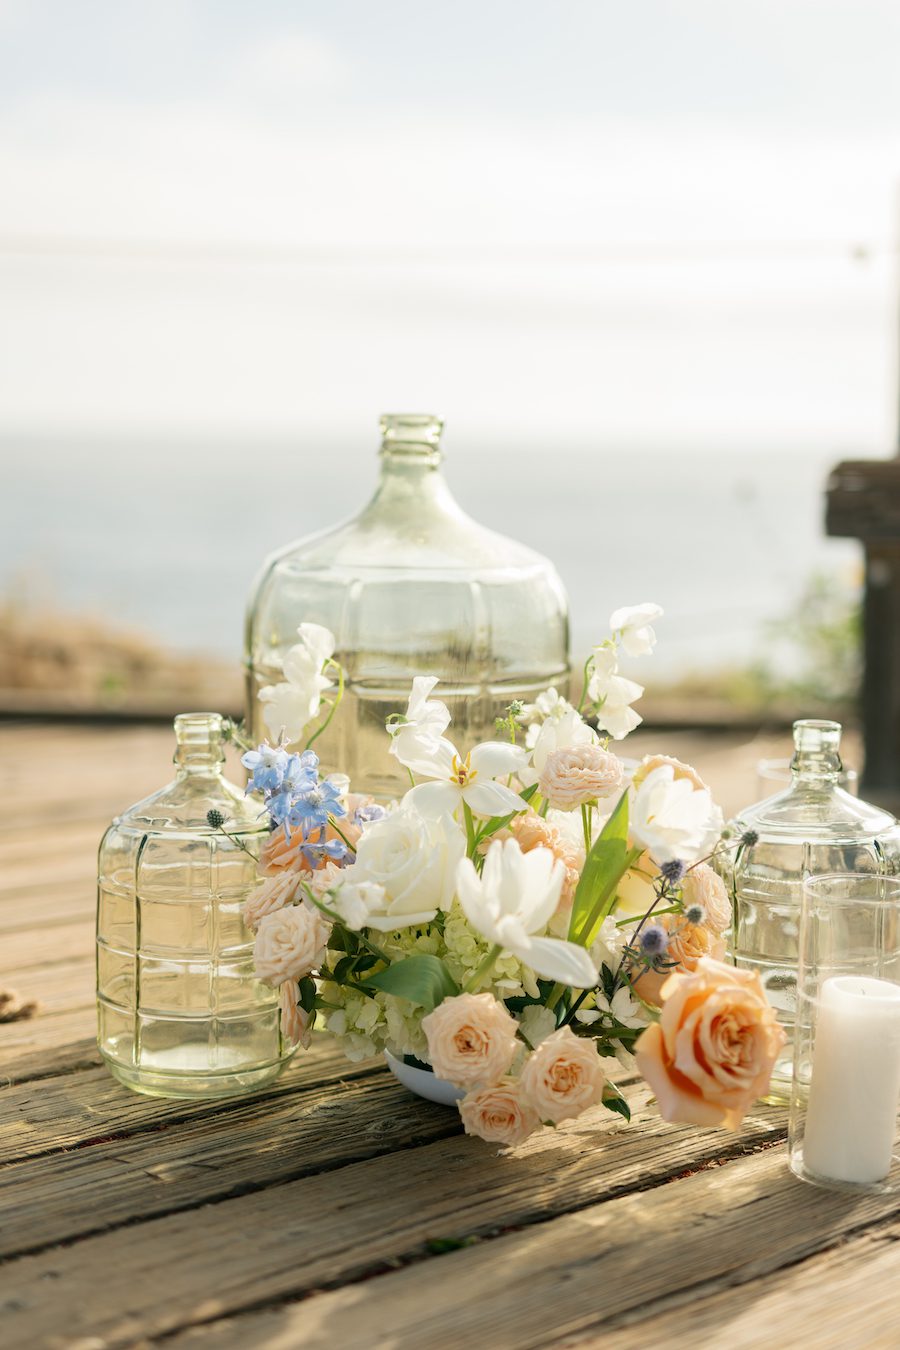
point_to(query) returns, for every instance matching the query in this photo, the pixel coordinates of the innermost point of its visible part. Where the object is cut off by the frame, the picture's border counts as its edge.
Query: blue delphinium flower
(368, 814)
(267, 765)
(312, 807)
(319, 849)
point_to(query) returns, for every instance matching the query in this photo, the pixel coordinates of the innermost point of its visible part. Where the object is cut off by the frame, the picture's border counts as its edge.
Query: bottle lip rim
(416, 430)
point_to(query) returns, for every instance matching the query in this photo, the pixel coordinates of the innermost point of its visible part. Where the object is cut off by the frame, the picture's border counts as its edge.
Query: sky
(670, 224)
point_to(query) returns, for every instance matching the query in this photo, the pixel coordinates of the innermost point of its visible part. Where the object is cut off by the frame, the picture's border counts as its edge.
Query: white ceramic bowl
(423, 1083)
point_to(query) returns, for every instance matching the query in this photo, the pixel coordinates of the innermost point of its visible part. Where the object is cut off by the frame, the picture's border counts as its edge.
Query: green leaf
(614, 1101)
(307, 994)
(603, 870)
(423, 980)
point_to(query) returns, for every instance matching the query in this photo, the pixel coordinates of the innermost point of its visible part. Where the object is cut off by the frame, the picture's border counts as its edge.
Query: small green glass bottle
(180, 1012)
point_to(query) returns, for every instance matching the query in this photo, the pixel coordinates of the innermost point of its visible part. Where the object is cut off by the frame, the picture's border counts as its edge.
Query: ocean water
(166, 537)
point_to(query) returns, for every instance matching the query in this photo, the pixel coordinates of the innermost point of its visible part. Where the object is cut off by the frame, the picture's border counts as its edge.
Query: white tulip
(632, 625)
(672, 819)
(513, 901)
(469, 780)
(415, 740)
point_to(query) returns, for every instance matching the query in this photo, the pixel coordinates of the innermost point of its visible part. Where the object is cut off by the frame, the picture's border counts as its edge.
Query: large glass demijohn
(814, 826)
(411, 586)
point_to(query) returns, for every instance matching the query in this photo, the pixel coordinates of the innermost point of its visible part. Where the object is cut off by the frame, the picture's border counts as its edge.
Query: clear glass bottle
(180, 1012)
(411, 586)
(812, 827)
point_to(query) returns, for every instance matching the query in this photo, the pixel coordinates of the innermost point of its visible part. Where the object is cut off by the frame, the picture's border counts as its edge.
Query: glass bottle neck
(199, 744)
(817, 759)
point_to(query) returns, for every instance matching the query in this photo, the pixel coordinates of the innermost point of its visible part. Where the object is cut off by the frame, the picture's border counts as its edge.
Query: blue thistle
(654, 941)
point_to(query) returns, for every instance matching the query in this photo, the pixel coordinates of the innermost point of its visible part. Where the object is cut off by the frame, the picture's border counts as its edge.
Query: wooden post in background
(863, 502)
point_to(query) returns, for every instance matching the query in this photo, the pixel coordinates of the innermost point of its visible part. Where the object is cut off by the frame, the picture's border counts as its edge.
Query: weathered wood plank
(83, 1106)
(36, 907)
(248, 1145)
(26, 949)
(843, 1299)
(44, 1054)
(562, 1281)
(347, 1223)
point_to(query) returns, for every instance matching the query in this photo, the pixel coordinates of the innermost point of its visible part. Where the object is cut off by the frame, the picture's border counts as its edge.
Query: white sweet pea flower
(548, 704)
(469, 780)
(672, 819)
(612, 695)
(632, 625)
(288, 707)
(615, 714)
(416, 739)
(513, 900)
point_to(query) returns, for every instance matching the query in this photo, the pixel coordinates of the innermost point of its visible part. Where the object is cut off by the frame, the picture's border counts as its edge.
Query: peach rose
(533, 831)
(710, 1055)
(471, 1040)
(498, 1113)
(688, 944)
(580, 774)
(562, 1077)
(296, 1022)
(290, 943)
(678, 767)
(279, 854)
(272, 894)
(702, 886)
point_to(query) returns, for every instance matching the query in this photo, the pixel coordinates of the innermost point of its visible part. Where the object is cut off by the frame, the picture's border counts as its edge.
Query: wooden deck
(338, 1210)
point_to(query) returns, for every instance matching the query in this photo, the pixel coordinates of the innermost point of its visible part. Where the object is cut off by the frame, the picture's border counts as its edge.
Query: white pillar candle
(851, 1117)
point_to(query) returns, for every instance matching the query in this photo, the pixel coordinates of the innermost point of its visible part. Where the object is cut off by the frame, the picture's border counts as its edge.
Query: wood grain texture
(562, 1281)
(366, 1217)
(842, 1299)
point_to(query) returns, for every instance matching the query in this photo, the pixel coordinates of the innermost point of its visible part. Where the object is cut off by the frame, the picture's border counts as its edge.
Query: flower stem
(338, 831)
(587, 677)
(335, 705)
(586, 826)
(234, 839)
(471, 838)
(486, 966)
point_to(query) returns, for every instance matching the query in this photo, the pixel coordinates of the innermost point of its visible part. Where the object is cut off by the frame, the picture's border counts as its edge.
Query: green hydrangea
(367, 1025)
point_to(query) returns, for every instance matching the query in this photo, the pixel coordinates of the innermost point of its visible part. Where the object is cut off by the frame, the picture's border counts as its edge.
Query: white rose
(290, 943)
(563, 1077)
(414, 861)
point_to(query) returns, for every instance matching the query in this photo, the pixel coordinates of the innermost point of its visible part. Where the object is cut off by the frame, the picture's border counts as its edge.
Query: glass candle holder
(844, 1129)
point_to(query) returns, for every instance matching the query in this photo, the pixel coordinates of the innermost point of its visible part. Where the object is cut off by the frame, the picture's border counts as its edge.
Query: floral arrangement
(533, 908)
